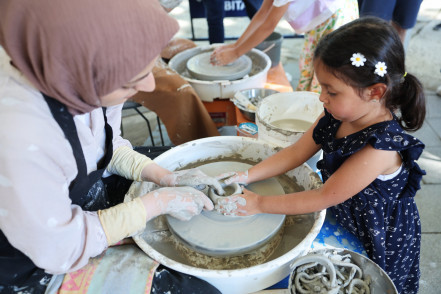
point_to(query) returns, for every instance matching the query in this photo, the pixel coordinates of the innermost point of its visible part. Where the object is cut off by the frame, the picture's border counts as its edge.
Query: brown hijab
(78, 50)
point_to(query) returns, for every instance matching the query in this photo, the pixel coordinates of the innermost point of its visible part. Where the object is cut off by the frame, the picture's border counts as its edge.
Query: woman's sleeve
(36, 214)
(114, 114)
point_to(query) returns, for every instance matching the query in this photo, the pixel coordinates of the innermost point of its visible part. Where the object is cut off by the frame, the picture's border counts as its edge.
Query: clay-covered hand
(239, 204)
(180, 202)
(191, 177)
(224, 55)
(221, 48)
(234, 177)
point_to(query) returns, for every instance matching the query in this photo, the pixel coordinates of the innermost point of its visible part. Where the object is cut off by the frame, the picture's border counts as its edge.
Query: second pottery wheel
(214, 234)
(200, 67)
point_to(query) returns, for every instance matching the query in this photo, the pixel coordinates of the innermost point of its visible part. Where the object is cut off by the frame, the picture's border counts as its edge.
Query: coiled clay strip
(329, 273)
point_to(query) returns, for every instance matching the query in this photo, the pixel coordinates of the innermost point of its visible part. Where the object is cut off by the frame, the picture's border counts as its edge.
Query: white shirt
(305, 15)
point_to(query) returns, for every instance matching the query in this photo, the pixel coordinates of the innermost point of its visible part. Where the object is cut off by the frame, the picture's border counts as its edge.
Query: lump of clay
(230, 189)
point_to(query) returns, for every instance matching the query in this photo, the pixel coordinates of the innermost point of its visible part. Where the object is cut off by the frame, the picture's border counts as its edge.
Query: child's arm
(287, 159)
(356, 173)
(261, 26)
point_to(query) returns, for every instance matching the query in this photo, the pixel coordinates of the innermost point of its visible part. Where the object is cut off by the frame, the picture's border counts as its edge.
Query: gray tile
(429, 10)
(422, 58)
(433, 105)
(430, 161)
(435, 123)
(430, 264)
(427, 135)
(428, 200)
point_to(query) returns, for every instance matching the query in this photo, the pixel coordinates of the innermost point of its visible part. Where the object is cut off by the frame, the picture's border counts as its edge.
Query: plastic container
(247, 130)
(272, 46)
(297, 237)
(279, 114)
(255, 95)
(223, 89)
(301, 106)
(380, 282)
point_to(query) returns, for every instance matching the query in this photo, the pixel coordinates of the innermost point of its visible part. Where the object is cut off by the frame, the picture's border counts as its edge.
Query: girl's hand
(226, 46)
(224, 55)
(234, 177)
(191, 177)
(181, 202)
(239, 204)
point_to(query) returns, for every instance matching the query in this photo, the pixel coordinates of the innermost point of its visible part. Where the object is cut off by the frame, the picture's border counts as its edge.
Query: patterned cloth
(308, 81)
(383, 215)
(120, 269)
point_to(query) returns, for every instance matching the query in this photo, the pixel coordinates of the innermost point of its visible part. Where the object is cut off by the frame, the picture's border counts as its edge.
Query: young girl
(368, 167)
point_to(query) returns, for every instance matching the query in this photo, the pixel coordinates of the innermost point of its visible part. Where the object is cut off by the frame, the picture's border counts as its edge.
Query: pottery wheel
(200, 67)
(214, 234)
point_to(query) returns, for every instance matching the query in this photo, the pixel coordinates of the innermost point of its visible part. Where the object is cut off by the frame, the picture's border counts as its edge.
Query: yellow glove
(123, 220)
(128, 163)
(126, 219)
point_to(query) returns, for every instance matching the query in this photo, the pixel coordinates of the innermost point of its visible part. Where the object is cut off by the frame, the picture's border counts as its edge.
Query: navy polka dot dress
(383, 215)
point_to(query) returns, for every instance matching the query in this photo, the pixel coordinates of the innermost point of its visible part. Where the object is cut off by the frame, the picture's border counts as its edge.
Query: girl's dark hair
(378, 41)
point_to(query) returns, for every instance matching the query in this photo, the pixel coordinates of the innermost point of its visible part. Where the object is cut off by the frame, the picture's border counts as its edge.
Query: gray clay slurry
(217, 235)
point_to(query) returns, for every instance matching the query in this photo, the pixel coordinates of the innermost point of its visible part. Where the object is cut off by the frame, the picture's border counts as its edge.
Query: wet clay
(159, 237)
(214, 234)
(252, 258)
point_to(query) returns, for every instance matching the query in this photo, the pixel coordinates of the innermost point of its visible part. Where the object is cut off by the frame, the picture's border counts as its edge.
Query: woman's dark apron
(87, 190)
(92, 192)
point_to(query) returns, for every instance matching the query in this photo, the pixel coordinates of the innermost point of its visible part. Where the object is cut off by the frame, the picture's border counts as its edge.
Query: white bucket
(295, 241)
(210, 90)
(283, 118)
(292, 107)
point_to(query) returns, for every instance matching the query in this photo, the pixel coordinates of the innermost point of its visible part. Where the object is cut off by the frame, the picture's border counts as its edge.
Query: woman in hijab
(65, 70)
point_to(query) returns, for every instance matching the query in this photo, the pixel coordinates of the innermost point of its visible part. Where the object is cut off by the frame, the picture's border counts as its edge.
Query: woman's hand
(191, 177)
(180, 202)
(240, 204)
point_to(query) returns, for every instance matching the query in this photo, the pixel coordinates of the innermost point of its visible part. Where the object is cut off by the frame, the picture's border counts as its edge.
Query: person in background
(215, 13)
(369, 164)
(314, 19)
(402, 14)
(193, 120)
(66, 69)
(169, 5)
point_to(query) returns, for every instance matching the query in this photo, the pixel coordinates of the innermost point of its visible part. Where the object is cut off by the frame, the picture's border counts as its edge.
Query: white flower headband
(358, 60)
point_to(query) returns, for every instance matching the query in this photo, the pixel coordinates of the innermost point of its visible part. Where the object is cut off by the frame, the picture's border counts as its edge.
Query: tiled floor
(423, 60)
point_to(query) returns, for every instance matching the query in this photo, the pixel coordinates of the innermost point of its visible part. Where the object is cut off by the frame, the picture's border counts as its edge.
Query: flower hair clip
(380, 68)
(358, 59)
